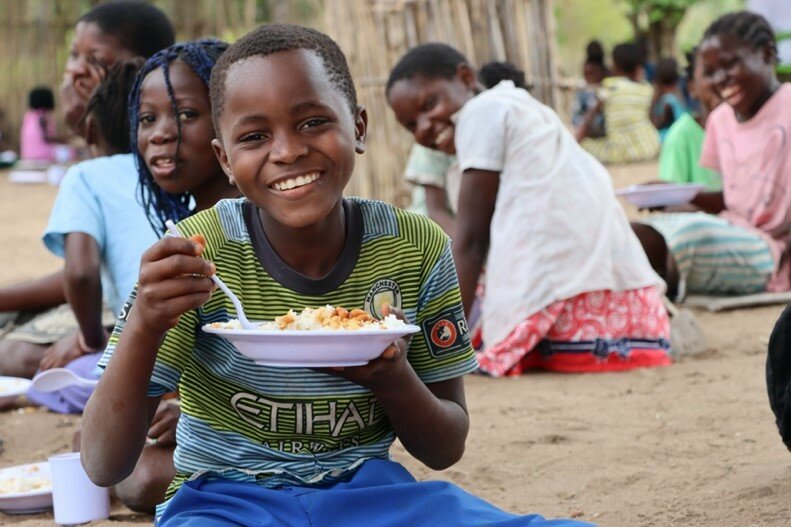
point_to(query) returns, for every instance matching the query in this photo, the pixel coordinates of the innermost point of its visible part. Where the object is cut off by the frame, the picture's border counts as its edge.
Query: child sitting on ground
(593, 72)
(626, 100)
(38, 139)
(741, 245)
(556, 287)
(278, 446)
(668, 102)
(36, 312)
(679, 160)
(96, 227)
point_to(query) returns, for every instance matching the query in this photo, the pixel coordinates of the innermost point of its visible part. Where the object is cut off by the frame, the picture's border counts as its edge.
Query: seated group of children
(539, 237)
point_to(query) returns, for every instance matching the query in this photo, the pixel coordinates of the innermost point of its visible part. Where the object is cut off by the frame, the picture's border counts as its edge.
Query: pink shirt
(32, 142)
(754, 158)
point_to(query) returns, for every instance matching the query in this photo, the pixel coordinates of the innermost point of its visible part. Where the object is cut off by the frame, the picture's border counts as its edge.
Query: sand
(691, 444)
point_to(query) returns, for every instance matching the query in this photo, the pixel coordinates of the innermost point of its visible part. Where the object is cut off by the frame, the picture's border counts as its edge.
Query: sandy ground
(693, 444)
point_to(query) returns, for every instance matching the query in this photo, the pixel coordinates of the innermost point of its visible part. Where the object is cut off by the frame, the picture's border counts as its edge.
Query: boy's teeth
(299, 181)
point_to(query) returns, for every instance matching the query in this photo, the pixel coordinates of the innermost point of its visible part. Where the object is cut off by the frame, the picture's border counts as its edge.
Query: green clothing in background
(679, 160)
(427, 167)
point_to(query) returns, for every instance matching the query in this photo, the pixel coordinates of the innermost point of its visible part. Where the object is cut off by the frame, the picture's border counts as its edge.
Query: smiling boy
(278, 446)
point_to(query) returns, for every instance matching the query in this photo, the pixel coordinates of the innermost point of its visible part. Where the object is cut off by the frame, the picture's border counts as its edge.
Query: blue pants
(380, 494)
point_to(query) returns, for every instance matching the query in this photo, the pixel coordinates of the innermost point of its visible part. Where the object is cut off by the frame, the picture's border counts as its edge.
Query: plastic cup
(75, 498)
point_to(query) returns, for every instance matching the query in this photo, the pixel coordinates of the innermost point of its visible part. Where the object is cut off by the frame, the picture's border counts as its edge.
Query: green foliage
(656, 10)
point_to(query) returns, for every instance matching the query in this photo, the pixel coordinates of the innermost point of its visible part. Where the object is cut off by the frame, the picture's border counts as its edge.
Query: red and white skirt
(596, 331)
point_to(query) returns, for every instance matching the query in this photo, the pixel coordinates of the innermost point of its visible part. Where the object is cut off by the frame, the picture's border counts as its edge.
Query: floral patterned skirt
(596, 331)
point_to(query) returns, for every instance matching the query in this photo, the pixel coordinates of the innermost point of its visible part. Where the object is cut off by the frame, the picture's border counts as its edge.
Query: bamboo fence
(36, 36)
(374, 34)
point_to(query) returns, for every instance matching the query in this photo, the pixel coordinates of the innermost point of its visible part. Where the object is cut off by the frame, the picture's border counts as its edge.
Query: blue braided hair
(200, 56)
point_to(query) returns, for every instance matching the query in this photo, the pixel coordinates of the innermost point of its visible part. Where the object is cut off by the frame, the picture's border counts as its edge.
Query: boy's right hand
(174, 279)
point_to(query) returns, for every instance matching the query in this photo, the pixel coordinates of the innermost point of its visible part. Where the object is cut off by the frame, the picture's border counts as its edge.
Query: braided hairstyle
(750, 28)
(201, 56)
(109, 104)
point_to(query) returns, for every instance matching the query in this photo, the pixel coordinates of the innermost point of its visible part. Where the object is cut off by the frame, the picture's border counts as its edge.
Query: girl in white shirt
(567, 286)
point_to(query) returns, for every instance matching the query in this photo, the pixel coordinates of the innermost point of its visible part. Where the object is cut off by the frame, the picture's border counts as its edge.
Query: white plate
(660, 195)
(11, 388)
(312, 349)
(30, 501)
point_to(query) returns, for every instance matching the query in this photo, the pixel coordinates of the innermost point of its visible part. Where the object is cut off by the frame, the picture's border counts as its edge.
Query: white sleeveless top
(557, 229)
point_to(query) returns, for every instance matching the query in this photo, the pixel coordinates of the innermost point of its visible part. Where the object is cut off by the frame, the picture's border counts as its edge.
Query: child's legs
(714, 256)
(383, 493)
(19, 358)
(145, 488)
(221, 503)
(21, 348)
(659, 256)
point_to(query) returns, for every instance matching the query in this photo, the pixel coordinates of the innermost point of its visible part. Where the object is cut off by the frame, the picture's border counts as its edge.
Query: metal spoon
(246, 324)
(58, 378)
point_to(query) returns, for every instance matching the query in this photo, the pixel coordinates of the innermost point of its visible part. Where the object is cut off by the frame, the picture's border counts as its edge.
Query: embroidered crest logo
(383, 292)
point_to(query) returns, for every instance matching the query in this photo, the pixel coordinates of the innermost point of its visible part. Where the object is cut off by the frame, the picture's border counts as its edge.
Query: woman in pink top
(38, 139)
(739, 243)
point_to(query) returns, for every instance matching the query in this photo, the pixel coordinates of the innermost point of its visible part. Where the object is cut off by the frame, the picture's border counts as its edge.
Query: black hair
(751, 28)
(41, 98)
(140, 27)
(492, 73)
(432, 61)
(690, 56)
(666, 72)
(109, 104)
(627, 57)
(201, 57)
(594, 53)
(271, 38)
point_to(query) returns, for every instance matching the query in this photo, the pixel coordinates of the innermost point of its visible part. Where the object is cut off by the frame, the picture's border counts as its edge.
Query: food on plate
(327, 318)
(29, 481)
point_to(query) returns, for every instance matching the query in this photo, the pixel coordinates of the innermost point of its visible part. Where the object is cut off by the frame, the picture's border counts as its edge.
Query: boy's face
(425, 106)
(176, 167)
(738, 74)
(288, 136)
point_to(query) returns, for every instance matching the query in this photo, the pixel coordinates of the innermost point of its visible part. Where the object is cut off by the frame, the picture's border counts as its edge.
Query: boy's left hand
(384, 372)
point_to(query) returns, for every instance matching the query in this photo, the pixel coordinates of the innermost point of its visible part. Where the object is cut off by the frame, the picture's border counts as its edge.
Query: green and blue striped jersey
(282, 426)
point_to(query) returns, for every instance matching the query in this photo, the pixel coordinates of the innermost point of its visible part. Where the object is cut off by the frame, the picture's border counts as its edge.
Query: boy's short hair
(109, 104)
(140, 27)
(492, 73)
(627, 57)
(271, 38)
(41, 98)
(666, 72)
(432, 61)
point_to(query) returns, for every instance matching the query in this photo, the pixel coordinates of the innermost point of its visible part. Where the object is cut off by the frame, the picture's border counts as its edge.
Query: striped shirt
(281, 426)
(630, 135)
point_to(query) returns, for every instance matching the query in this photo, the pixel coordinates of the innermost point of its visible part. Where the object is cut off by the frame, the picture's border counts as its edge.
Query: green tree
(657, 21)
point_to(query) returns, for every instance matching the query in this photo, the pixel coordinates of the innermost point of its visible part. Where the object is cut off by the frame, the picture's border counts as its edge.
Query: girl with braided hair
(740, 243)
(171, 132)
